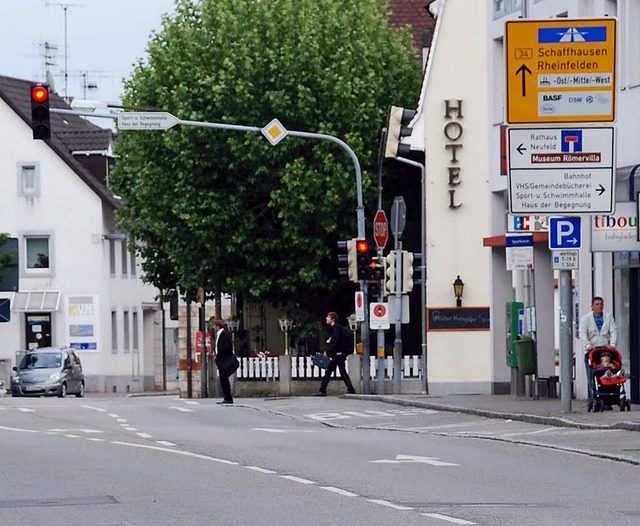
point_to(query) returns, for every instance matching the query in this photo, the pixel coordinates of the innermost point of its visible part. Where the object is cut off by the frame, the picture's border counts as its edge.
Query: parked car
(48, 371)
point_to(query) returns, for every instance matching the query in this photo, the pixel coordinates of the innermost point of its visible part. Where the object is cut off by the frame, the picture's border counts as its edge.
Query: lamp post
(285, 326)
(353, 326)
(234, 325)
(458, 288)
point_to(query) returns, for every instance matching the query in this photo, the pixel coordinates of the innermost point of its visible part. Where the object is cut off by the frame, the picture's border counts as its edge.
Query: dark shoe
(225, 402)
(320, 394)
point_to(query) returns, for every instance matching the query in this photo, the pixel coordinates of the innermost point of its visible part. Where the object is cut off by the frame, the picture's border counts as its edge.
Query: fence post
(284, 371)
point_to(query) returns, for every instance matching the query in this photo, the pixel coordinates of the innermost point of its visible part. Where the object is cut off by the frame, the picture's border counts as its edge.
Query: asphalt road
(165, 460)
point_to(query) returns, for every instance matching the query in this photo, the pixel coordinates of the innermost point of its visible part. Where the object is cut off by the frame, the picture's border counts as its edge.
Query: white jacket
(590, 335)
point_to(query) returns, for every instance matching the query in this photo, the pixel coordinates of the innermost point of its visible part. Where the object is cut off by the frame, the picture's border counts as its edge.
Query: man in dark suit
(224, 359)
(338, 348)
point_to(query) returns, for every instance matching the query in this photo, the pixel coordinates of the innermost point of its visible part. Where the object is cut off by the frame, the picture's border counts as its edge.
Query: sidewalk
(542, 411)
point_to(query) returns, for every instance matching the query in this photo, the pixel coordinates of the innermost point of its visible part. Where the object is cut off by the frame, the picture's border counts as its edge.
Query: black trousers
(340, 365)
(226, 387)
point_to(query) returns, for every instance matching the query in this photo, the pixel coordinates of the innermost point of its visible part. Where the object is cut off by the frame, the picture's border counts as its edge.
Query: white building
(463, 110)
(78, 283)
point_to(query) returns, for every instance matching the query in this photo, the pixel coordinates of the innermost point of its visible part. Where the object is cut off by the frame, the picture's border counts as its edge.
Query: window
(37, 252)
(124, 256)
(504, 7)
(133, 269)
(112, 257)
(28, 180)
(135, 331)
(127, 333)
(114, 332)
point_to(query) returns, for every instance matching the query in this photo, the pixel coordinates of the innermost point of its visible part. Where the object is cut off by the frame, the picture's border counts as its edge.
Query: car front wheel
(80, 393)
(63, 391)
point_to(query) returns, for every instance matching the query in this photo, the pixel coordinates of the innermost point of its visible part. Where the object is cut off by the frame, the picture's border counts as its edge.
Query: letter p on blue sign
(564, 233)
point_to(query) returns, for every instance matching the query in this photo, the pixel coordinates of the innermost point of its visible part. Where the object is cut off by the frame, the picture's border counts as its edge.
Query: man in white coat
(597, 329)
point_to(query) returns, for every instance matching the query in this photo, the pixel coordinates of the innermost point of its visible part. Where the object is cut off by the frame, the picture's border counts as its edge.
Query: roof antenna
(65, 7)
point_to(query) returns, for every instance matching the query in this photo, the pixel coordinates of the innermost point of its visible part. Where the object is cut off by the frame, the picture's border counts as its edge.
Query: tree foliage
(225, 209)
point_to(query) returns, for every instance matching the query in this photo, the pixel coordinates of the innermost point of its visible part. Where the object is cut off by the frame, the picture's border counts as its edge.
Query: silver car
(48, 371)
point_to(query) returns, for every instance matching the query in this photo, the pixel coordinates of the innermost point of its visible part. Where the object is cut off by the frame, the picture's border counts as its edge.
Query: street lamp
(353, 326)
(234, 325)
(458, 288)
(285, 326)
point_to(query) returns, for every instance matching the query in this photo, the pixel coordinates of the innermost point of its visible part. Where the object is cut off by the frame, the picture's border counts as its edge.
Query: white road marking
(339, 491)
(193, 402)
(297, 479)
(26, 410)
(182, 409)
(273, 430)
(18, 429)
(121, 420)
(113, 415)
(95, 439)
(131, 428)
(95, 408)
(87, 431)
(261, 470)
(389, 504)
(447, 518)
(404, 459)
(72, 436)
(176, 452)
(165, 443)
(144, 435)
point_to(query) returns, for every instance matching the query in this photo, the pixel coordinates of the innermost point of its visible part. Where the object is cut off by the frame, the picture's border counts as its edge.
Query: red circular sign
(359, 300)
(381, 229)
(379, 311)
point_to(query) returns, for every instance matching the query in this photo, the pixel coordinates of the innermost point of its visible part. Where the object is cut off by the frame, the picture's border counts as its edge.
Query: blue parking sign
(564, 233)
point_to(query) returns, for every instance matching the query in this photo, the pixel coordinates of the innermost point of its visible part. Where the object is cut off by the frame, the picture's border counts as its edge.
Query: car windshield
(49, 360)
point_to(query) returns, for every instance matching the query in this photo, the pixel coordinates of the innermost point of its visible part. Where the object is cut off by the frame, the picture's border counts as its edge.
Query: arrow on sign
(412, 459)
(523, 70)
(521, 149)
(600, 190)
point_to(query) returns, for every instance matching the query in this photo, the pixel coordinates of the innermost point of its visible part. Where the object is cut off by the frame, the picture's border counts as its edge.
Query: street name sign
(146, 120)
(562, 170)
(560, 70)
(565, 259)
(564, 233)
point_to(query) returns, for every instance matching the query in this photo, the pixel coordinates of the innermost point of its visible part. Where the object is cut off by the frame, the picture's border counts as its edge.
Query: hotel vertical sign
(560, 70)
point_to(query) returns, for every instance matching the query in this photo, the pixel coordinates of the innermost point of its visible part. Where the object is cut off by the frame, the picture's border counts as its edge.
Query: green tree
(226, 209)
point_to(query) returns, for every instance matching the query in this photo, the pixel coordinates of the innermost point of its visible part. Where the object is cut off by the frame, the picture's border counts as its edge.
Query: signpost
(561, 170)
(146, 120)
(561, 70)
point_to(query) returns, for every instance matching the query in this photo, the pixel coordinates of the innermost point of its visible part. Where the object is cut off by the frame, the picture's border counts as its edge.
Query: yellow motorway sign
(560, 70)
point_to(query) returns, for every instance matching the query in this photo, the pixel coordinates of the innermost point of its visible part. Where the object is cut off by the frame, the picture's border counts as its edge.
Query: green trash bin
(526, 355)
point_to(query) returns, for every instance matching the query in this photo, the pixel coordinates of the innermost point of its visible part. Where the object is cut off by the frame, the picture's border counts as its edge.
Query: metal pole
(566, 341)
(397, 344)
(364, 336)
(203, 354)
(423, 269)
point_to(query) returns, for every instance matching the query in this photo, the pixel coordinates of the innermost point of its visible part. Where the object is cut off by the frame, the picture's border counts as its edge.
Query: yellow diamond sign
(274, 132)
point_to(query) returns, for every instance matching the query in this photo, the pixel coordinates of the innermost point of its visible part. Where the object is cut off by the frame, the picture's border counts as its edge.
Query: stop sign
(381, 229)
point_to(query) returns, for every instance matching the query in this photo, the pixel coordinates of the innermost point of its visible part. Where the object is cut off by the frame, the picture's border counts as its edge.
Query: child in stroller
(608, 379)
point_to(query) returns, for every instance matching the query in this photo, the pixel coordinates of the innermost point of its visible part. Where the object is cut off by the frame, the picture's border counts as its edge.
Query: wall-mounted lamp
(458, 288)
(115, 236)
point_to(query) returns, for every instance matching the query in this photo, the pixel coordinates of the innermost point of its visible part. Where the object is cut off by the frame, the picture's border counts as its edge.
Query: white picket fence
(302, 368)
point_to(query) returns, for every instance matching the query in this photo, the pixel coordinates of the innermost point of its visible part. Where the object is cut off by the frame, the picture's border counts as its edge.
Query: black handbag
(227, 365)
(320, 360)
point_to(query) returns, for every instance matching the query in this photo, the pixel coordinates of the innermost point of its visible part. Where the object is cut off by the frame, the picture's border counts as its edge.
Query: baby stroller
(607, 391)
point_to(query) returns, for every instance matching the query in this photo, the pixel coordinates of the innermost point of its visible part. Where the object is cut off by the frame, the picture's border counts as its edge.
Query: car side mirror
(15, 368)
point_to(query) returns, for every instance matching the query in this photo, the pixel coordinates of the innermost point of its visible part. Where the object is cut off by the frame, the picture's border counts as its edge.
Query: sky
(105, 38)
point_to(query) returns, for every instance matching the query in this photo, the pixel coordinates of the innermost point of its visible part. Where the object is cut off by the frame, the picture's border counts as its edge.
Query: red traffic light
(362, 247)
(39, 94)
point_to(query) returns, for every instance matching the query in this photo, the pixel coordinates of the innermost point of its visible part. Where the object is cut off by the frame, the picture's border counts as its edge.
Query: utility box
(514, 312)
(526, 356)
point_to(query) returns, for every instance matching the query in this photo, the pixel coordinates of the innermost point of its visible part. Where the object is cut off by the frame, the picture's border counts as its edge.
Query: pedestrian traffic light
(40, 123)
(390, 274)
(407, 271)
(375, 276)
(399, 119)
(364, 260)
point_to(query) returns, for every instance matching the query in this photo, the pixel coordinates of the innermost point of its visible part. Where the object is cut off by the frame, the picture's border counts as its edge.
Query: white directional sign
(564, 170)
(564, 233)
(146, 120)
